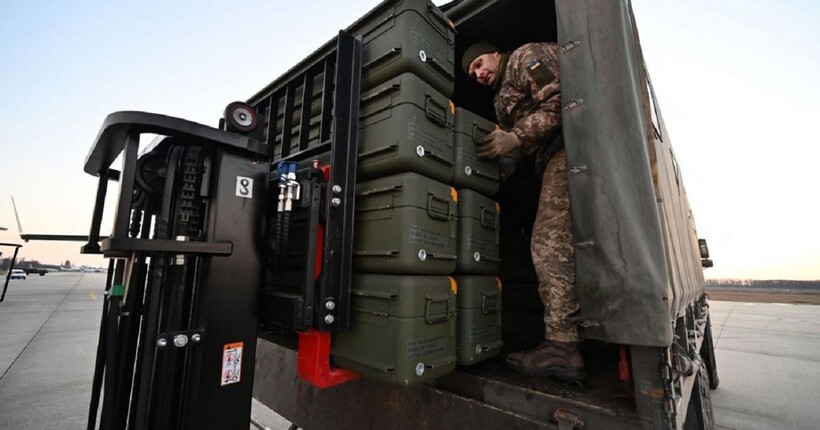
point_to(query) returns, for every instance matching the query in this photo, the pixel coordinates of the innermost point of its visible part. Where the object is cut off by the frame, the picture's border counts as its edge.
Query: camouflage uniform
(528, 103)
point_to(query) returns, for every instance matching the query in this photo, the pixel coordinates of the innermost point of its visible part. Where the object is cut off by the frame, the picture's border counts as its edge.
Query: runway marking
(723, 326)
(93, 296)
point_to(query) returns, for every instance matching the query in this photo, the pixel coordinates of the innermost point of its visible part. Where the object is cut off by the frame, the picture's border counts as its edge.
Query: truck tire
(699, 414)
(707, 354)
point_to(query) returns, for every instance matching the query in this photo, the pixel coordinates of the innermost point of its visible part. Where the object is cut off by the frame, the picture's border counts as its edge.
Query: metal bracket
(569, 46)
(179, 339)
(578, 169)
(586, 244)
(572, 104)
(567, 420)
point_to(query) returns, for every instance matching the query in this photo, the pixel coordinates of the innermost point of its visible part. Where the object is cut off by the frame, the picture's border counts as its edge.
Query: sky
(736, 82)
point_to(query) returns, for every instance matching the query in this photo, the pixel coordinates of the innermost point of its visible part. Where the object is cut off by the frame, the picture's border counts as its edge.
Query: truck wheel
(699, 414)
(707, 354)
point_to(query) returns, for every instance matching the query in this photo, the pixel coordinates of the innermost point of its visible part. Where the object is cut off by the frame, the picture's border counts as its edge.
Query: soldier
(528, 106)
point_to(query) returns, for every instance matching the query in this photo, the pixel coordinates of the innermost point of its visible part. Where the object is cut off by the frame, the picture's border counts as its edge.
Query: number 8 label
(244, 187)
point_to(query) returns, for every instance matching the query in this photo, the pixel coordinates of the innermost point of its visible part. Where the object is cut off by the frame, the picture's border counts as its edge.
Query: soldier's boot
(562, 360)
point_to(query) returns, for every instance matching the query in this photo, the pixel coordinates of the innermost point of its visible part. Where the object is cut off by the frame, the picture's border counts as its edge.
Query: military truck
(237, 265)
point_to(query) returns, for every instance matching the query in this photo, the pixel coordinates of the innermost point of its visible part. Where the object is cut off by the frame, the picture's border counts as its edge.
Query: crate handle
(387, 19)
(488, 219)
(381, 93)
(436, 13)
(382, 58)
(380, 190)
(489, 303)
(435, 111)
(469, 171)
(378, 151)
(376, 253)
(490, 259)
(435, 213)
(378, 294)
(484, 348)
(429, 317)
(424, 152)
(476, 137)
(437, 67)
(440, 256)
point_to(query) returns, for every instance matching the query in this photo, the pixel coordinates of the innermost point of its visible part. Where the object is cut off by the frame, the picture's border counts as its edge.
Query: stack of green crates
(425, 295)
(418, 240)
(479, 253)
(403, 303)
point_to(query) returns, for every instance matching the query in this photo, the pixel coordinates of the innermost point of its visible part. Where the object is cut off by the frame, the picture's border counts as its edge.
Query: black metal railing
(306, 300)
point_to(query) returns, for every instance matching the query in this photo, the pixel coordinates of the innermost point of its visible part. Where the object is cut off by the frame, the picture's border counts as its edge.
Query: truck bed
(482, 396)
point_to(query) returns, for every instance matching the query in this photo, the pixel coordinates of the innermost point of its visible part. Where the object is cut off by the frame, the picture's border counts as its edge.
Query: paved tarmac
(768, 359)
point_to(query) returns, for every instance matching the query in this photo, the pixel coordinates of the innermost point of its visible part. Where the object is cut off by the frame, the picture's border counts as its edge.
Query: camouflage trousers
(553, 255)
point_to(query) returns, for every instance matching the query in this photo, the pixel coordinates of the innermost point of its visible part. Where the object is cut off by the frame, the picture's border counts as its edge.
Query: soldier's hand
(498, 143)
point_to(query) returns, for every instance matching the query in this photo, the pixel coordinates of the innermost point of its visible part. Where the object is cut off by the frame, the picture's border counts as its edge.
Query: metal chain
(189, 210)
(668, 389)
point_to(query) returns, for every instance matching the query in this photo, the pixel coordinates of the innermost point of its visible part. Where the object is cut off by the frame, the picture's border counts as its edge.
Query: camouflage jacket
(528, 97)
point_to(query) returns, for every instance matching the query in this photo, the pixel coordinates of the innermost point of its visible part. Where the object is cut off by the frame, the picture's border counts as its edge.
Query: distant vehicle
(18, 274)
(33, 271)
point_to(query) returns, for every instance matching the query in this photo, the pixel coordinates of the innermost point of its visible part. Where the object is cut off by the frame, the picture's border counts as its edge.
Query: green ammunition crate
(470, 171)
(405, 224)
(398, 36)
(405, 126)
(407, 36)
(479, 319)
(478, 234)
(402, 328)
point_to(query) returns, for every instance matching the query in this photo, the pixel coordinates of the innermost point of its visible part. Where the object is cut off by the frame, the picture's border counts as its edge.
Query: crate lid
(407, 190)
(406, 88)
(402, 296)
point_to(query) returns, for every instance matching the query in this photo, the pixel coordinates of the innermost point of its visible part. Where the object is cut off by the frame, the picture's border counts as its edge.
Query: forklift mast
(189, 252)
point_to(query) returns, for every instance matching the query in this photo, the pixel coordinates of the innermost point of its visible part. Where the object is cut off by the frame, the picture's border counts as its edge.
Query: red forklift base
(313, 361)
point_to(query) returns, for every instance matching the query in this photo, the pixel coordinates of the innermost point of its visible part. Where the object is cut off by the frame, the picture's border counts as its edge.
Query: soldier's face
(484, 69)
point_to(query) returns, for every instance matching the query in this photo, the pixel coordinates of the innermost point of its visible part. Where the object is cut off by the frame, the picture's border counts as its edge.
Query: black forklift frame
(126, 350)
(134, 391)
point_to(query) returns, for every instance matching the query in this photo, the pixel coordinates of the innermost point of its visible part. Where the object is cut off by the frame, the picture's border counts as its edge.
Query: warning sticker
(231, 363)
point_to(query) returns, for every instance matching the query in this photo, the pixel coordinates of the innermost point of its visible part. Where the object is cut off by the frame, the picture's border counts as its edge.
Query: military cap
(474, 51)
